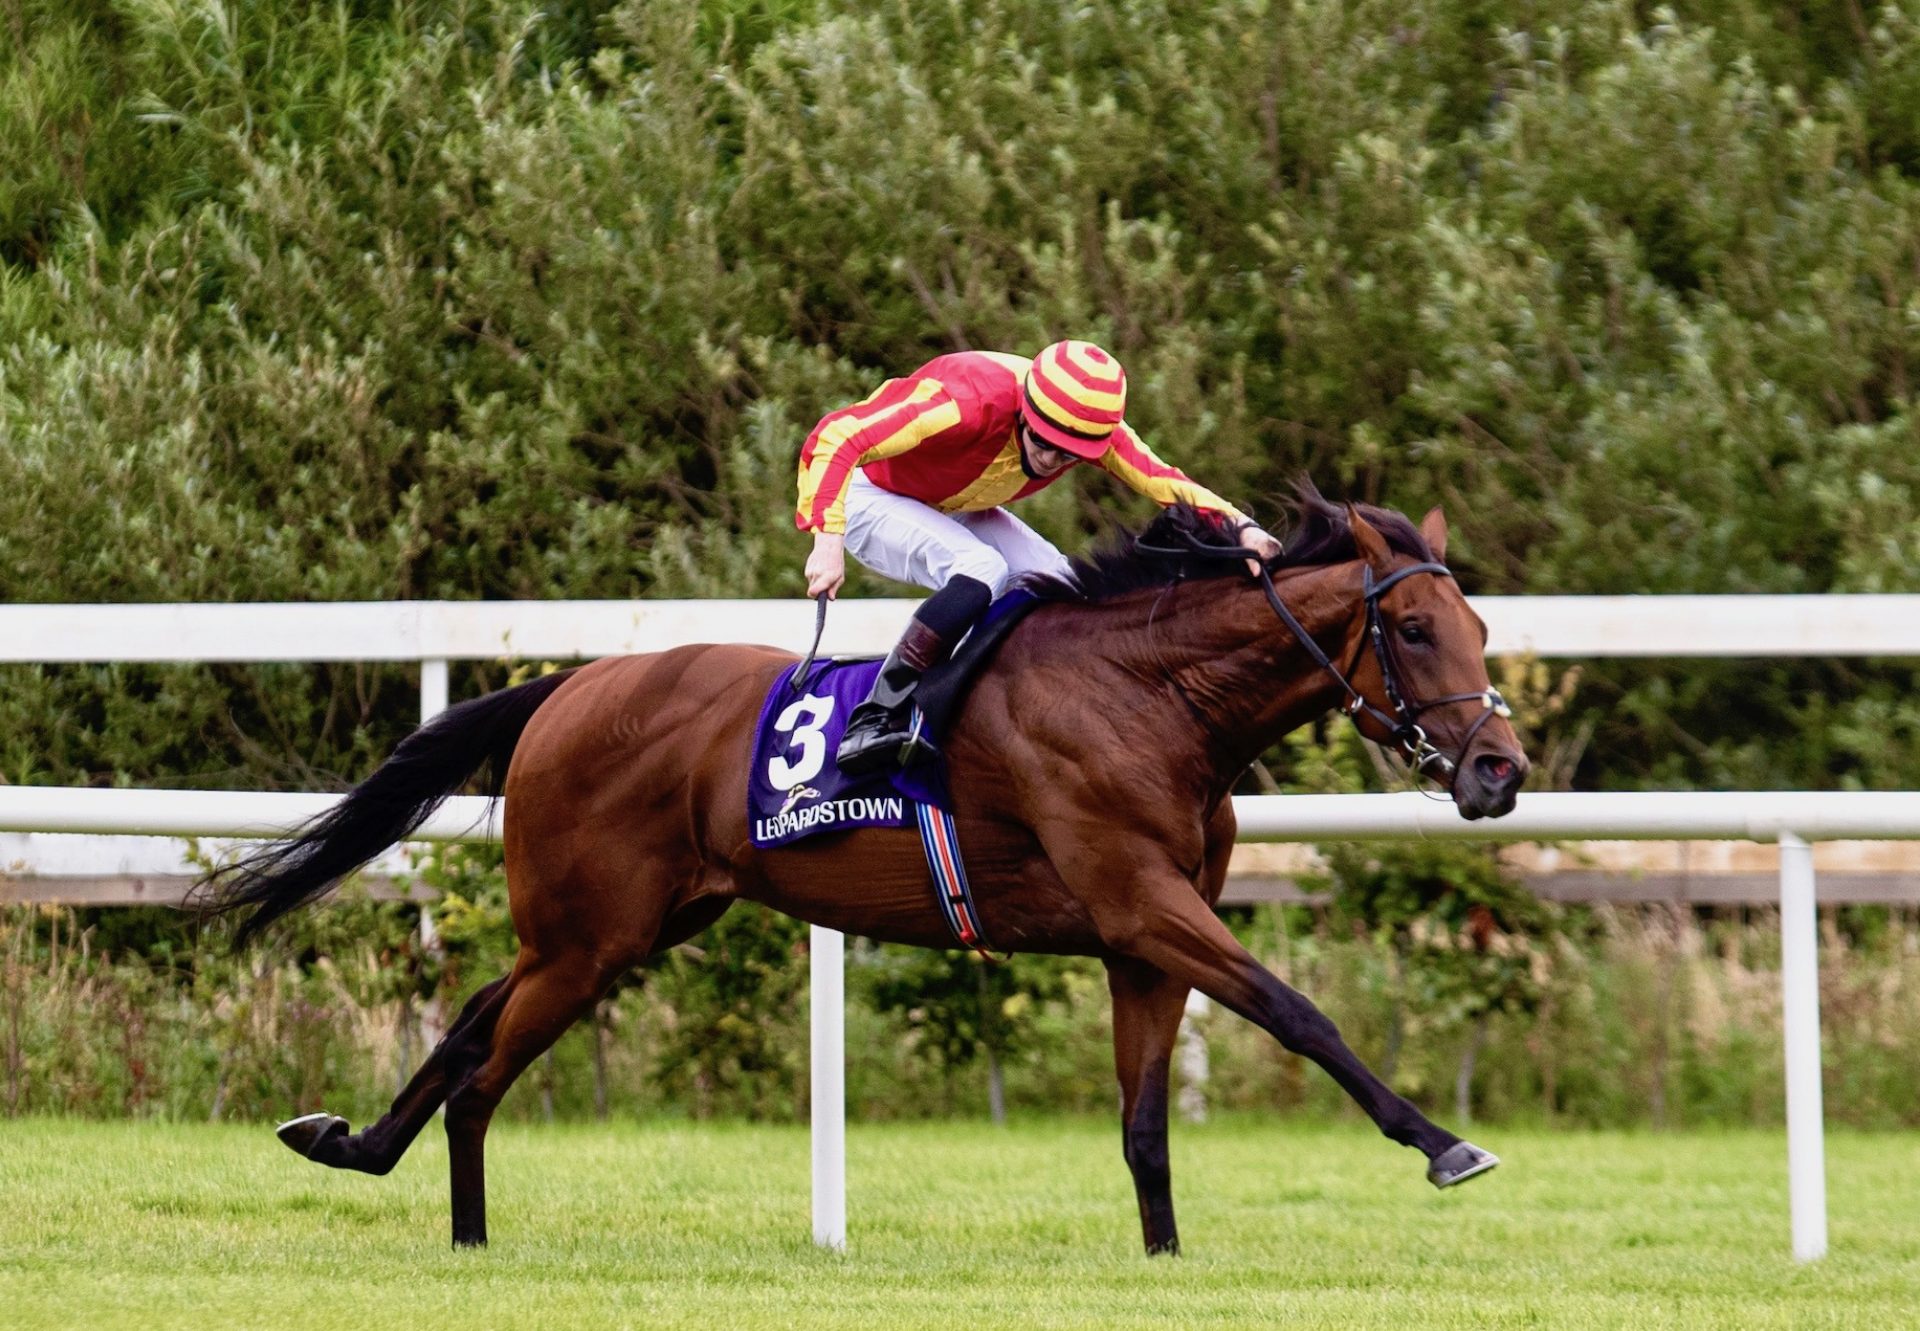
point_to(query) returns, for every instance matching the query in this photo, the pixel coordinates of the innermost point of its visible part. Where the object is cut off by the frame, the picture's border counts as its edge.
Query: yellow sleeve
(1132, 461)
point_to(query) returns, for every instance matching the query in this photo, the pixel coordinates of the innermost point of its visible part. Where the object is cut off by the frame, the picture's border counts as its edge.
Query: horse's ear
(1434, 528)
(1368, 540)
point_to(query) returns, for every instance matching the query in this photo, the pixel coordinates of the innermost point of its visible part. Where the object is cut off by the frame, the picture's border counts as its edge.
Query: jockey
(912, 479)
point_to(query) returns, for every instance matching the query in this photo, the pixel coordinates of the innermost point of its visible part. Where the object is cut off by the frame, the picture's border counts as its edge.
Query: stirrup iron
(917, 748)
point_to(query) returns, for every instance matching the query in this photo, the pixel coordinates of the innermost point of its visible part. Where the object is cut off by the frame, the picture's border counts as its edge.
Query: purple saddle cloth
(796, 790)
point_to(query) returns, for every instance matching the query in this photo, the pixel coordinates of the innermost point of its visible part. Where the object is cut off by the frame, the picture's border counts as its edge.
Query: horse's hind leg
(376, 1149)
(543, 998)
(1147, 1007)
(545, 994)
(549, 989)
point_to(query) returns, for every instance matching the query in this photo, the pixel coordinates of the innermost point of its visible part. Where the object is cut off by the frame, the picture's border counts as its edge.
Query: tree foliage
(477, 298)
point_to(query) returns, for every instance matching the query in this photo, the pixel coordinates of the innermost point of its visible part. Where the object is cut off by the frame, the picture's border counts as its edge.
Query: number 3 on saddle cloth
(796, 790)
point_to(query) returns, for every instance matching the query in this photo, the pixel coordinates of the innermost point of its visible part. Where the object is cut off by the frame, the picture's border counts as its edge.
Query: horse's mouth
(1489, 786)
(1475, 812)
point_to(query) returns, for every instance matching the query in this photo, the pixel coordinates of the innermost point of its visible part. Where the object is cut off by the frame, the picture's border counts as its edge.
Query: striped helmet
(1074, 397)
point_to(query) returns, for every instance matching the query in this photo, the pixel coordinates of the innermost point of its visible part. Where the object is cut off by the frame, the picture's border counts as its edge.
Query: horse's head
(1413, 671)
(1420, 672)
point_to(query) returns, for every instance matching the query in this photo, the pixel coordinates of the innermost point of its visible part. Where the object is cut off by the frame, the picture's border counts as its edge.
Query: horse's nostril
(1498, 771)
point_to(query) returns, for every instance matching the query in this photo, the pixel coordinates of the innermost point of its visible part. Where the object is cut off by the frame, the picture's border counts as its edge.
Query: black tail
(430, 764)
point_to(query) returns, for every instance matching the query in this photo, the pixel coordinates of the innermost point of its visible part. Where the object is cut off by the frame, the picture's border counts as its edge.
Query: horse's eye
(1413, 633)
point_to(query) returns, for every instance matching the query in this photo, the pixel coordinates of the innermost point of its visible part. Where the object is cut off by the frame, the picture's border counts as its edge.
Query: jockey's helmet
(1074, 397)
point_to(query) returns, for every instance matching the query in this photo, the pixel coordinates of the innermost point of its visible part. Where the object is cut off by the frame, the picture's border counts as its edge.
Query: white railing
(435, 632)
(1790, 818)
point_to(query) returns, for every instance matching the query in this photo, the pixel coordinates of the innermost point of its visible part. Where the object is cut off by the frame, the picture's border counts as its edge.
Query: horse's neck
(1221, 678)
(1239, 666)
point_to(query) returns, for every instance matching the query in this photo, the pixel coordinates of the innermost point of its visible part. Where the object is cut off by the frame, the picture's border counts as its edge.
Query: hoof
(1458, 1163)
(309, 1133)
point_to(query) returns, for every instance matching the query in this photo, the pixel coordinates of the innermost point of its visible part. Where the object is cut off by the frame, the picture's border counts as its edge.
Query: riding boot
(885, 730)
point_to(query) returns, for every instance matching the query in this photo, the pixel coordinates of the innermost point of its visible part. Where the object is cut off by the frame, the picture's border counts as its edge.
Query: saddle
(943, 690)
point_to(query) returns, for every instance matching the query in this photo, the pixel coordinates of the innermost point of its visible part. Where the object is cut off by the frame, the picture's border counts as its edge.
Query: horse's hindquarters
(627, 796)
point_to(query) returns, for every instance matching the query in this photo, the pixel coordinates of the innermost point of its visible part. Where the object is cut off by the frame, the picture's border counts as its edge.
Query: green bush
(1637, 1017)
(473, 298)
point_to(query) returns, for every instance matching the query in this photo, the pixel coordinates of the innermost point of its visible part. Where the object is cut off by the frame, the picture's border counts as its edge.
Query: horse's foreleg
(542, 999)
(376, 1149)
(1147, 1007)
(1173, 929)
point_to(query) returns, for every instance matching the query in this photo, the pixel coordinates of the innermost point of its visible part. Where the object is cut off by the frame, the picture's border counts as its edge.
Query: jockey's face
(1040, 458)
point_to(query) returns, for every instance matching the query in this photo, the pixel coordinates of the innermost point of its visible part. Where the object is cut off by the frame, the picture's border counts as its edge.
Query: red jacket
(946, 435)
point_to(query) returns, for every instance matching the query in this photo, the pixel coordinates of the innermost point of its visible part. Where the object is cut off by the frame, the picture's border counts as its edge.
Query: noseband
(1403, 728)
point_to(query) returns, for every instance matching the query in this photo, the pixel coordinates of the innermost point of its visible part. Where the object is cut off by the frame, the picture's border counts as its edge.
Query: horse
(1091, 769)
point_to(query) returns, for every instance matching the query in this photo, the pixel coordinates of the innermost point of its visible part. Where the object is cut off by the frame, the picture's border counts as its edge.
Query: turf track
(1285, 1223)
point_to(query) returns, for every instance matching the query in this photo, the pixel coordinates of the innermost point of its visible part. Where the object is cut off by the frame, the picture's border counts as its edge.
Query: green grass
(953, 1225)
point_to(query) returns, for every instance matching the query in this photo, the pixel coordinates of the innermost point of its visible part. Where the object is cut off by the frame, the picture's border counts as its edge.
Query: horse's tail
(428, 766)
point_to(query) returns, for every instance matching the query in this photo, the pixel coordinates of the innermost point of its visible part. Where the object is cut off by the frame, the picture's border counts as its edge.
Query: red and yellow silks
(946, 435)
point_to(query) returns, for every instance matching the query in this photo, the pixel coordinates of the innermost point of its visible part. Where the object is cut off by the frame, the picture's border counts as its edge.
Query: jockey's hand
(1253, 538)
(827, 565)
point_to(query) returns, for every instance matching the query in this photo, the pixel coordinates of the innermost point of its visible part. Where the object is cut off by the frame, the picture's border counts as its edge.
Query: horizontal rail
(54, 854)
(1743, 889)
(1632, 816)
(211, 813)
(1567, 888)
(1699, 626)
(1820, 815)
(109, 870)
(1559, 626)
(427, 630)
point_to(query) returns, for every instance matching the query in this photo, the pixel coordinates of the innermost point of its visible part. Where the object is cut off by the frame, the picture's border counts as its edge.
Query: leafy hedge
(469, 298)
(1627, 1018)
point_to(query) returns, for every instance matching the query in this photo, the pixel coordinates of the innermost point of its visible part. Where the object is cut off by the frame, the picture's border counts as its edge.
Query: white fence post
(826, 967)
(433, 688)
(1190, 1053)
(1800, 1005)
(433, 1012)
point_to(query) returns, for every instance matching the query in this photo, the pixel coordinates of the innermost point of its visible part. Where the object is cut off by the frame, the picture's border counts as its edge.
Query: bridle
(1404, 731)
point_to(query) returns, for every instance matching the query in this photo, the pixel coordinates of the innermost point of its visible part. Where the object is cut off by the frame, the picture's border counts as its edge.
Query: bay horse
(1091, 769)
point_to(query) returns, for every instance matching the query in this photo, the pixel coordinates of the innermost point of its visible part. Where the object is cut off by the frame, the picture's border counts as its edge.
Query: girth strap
(941, 841)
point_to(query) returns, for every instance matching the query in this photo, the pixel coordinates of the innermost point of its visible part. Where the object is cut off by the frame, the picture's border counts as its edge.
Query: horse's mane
(1136, 560)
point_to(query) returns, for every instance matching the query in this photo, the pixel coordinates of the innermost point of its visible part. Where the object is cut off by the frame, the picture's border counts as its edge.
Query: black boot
(884, 731)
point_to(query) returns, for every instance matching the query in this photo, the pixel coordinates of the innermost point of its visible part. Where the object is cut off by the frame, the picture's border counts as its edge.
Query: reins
(1403, 727)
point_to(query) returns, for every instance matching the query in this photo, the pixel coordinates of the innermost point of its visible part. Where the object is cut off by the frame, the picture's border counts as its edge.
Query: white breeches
(909, 541)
